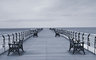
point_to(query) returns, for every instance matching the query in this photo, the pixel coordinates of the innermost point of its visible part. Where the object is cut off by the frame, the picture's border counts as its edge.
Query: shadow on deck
(48, 47)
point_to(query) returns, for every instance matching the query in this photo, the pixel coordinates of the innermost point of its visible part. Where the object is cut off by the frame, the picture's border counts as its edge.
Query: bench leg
(83, 50)
(8, 52)
(22, 48)
(17, 50)
(70, 48)
(57, 35)
(74, 50)
(35, 35)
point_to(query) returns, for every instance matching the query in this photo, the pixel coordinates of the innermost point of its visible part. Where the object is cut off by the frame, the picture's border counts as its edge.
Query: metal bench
(15, 46)
(76, 45)
(57, 34)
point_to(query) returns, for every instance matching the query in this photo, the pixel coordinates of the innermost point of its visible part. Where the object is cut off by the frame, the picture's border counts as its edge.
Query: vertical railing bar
(8, 38)
(75, 35)
(13, 38)
(83, 37)
(79, 36)
(94, 45)
(19, 36)
(3, 42)
(88, 41)
(16, 36)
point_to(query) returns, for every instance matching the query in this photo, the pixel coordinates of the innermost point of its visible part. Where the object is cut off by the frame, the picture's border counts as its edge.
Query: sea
(91, 30)
(11, 30)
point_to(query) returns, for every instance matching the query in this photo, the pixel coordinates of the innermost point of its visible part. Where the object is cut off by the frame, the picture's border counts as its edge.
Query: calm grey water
(10, 30)
(91, 30)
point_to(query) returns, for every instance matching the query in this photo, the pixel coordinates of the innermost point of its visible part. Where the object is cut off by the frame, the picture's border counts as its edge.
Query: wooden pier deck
(48, 47)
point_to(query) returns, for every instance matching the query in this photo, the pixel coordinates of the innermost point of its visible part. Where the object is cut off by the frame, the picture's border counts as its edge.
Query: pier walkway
(48, 47)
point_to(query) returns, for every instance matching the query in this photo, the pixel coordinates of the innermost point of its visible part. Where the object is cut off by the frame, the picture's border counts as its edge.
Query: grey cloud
(54, 11)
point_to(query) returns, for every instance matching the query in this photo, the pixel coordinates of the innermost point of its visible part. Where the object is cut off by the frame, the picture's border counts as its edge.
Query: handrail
(88, 39)
(5, 39)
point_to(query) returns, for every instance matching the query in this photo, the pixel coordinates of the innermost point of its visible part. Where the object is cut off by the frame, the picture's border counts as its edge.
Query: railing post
(16, 36)
(71, 34)
(83, 37)
(13, 38)
(88, 41)
(19, 35)
(30, 32)
(75, 35)
(3, 42)
(8, 38)
(95, 45)
(23, 34)
(26, 33)
(79, 36)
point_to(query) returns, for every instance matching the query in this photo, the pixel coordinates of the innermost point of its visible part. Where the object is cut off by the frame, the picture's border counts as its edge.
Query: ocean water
(11, 30)
(91, 30)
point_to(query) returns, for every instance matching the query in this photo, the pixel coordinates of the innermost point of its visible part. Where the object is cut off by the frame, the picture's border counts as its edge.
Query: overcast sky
(47, 13)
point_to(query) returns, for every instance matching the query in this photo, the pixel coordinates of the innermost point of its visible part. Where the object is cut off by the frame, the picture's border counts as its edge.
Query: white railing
(88, 39)
(15, 36)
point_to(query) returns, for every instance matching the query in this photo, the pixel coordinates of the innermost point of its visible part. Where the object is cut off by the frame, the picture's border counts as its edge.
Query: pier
(48, 47)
